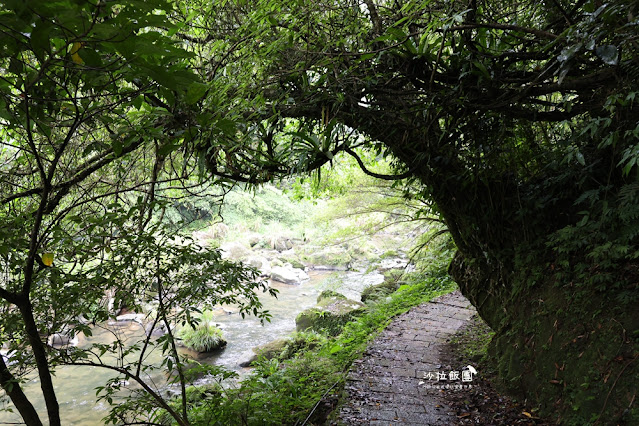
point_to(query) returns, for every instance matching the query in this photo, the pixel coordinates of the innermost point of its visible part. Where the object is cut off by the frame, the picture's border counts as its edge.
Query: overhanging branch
(373, 174)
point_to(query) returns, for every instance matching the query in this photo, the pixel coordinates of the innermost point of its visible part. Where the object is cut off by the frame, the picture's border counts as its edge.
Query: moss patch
(330, 314)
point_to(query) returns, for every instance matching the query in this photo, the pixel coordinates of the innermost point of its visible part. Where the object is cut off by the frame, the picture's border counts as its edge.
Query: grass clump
(204, 337)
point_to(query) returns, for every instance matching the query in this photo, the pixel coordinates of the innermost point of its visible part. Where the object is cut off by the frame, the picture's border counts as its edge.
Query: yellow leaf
(527, 414)
(47, 259)
(74, 53)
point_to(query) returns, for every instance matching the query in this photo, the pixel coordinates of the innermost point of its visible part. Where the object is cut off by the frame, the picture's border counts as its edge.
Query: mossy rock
(330, 315)
(328, 294)
(272, 349)
(328, 257)
(388, 254)
(301, 342)
(294, 261)
(379, 291)
(283, 349)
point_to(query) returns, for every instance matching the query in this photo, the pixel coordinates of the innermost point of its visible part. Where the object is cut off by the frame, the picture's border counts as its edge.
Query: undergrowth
(290, 392)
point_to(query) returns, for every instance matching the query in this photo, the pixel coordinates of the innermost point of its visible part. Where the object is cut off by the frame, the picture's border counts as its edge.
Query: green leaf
(116, 145)
(228, 127)
(167, 149)
(195, 92)
(367, 56)
(40, 39)
(336, 348)
(137, 102)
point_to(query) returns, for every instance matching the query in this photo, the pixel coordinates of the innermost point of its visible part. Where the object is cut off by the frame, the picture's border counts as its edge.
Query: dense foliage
(520, 120)
(88, 154)
(517, 119)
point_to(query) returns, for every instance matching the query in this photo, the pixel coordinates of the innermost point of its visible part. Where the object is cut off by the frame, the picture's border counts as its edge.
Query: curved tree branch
(376, 175)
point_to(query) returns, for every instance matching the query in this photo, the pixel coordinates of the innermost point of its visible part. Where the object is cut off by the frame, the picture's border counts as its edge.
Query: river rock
(235, 251)
(247, 358)
(268, 350)
(271, 349)
(158, 331)
(379, 291)
(214, 232)
(281, 243)
(328, 294)
(261, 263)
(59, 340)
(254, 240)
(288, 275)
(332, 258)
(393, 263)
(289, 256)
(332, 312)
(131, 317)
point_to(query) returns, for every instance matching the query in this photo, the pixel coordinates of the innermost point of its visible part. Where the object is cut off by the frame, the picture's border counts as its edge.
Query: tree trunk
(12, 387)
(42, 363)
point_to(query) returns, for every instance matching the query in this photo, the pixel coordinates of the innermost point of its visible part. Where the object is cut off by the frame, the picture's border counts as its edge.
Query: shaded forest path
(395, 381)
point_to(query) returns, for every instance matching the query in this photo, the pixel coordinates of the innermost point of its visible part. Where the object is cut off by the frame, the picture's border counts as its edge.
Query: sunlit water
(75, 386)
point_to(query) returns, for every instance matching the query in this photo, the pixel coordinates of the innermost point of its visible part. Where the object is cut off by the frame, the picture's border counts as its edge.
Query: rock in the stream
(247, 358)
(268, 350)
(394, 263)
(132, 317)
(281, 243)
(332, 312)
(288, 275)
(214, 232)
(235, 251)
(254, 240)
(330, 259)
(261, 263)
(376, 292)
(59, 340)
(158, 331)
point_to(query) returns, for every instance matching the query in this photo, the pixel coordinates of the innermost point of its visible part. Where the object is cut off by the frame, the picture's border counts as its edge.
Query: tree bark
(12, 387)
(42, 363)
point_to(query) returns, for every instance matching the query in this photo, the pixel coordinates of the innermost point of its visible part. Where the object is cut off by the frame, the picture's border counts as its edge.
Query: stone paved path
(384, 385)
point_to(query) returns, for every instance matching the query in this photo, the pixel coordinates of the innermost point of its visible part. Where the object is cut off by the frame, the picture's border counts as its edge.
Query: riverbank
(305, 387)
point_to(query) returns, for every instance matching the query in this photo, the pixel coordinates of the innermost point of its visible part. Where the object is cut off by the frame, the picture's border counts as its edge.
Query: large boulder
(132, 317)
(282, 349)
(216, 231)
(235, 251)
(261, 263)
(392, 263)
(268, 350)
(332, 258)
(290, 257)
(158, 329)
(288, 275)
(332, 312)
(62, 340)
(379, 291)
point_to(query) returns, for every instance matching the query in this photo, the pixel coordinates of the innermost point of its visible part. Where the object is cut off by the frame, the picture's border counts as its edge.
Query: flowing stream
(75, 386)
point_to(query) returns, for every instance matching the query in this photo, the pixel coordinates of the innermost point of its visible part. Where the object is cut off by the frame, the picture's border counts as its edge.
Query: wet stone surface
(387, 385)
